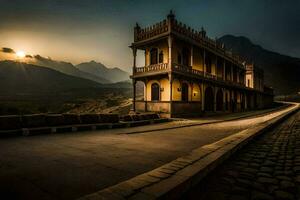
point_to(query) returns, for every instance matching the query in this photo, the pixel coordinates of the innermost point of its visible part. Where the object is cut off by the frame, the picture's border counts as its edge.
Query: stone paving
(267, 168)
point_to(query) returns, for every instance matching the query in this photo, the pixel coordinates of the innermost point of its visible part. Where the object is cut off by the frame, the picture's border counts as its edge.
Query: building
(186, 73)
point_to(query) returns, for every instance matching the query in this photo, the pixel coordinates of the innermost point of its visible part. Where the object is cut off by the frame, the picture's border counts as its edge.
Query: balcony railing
(152, 68)
(164, 67)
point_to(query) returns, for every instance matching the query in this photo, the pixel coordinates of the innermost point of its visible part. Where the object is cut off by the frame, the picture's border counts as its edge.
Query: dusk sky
(84, 30)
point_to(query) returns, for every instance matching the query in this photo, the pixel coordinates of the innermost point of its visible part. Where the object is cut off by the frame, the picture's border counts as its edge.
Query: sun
(20, 54)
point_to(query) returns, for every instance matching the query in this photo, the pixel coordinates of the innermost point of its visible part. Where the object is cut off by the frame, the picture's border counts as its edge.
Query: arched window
(161, 57)
(153, 56)
(154, 92)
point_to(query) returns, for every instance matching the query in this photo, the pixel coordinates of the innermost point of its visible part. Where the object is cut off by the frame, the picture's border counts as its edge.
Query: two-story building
(186, 73)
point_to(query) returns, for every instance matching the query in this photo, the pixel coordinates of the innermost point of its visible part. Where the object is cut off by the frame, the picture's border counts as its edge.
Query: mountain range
(280, 71)
(88, 70)
(23, 78)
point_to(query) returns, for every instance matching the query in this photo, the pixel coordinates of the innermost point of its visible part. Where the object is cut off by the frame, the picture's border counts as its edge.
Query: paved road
(68, 166)
(268, 168)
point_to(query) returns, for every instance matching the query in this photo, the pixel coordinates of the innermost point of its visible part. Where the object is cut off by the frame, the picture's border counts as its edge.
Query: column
(133, 80)
(192, 86)
(216, 66)
(171, 93)
(215, 98)
(231, 73)
(170, 40)
(204, 65)
(146, 99)
(192, 55)
(134, 94)
(134, 59)
(224, 70)
(202, 96)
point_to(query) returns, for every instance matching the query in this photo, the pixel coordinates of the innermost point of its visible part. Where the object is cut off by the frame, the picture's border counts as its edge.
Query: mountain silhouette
(67, 68)
(281, 72)
(25, 78)
(100, 70)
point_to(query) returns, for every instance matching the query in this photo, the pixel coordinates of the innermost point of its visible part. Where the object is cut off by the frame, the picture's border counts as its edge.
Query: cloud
(7, 50)
(28, 56)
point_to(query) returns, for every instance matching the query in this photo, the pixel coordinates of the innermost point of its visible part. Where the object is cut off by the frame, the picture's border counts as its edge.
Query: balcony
(163, 68)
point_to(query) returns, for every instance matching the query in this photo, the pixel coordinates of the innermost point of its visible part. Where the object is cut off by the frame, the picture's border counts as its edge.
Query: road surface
(67, 166)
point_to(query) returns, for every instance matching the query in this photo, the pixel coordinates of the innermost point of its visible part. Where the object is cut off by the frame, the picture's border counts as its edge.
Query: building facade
(186, 73)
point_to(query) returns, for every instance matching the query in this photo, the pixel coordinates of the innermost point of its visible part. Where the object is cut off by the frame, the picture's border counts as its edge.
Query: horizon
(102, 31)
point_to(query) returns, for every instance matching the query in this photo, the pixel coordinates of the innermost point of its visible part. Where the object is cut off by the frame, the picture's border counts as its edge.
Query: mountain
(281, 72)
(66, 68)
(98, 69)
(25, 78)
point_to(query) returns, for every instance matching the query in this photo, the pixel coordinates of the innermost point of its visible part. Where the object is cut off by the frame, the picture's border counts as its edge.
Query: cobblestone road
(267, 168)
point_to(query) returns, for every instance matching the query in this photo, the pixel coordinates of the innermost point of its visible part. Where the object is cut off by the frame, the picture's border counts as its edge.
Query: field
(97, 100)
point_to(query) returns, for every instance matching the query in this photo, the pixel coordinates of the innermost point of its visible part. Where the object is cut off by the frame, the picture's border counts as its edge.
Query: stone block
(90, 118)
(109, 118)
(70, 119)
(33, 121)
(54, 120)
(10, 122)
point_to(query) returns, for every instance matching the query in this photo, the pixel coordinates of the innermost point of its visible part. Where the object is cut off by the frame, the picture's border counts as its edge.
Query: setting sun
(20, 54)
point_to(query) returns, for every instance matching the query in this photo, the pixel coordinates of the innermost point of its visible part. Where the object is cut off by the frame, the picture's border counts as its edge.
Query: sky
(101, 30)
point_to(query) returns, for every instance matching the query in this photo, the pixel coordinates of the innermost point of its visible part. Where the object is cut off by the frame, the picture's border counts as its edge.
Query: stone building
(187, 73)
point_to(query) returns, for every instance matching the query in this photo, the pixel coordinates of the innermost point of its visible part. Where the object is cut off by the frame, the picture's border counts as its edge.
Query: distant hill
(67, 68)
(98, 69)
(281, 72)
(25, 78)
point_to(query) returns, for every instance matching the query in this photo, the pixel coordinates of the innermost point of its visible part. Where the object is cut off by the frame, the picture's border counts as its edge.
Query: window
(185, 57)
(208, 64)
(154, 92)
(179, 58)
(153, 56)
(161, 57)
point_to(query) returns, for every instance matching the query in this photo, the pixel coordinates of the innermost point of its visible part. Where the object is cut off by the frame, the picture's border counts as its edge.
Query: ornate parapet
(141, 34)
(171, 25)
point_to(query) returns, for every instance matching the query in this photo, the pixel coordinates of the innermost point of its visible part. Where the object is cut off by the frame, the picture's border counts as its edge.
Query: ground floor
(180, 96)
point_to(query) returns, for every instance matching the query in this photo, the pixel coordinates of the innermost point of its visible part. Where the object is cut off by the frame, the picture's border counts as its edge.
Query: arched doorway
(209, 99)
(184, 92)
(219, 100)
(154, 92)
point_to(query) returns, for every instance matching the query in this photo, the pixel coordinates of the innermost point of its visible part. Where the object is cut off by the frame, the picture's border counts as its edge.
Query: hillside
(27, 78)
(66, 68)
(281, 71)
(98, 69)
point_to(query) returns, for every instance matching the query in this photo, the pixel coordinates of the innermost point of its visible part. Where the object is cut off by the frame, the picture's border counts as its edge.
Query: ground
(268, 168)
(67, 166)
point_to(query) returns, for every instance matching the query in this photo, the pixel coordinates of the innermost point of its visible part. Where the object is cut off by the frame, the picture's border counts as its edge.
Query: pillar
(224, 70)
(192, 55)
(202, 96)
(204, 65)
(170, 40)
(134, 94)
(215, 98)
(231, 72)
(145, 100)
(171, 93)
(133, 80)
